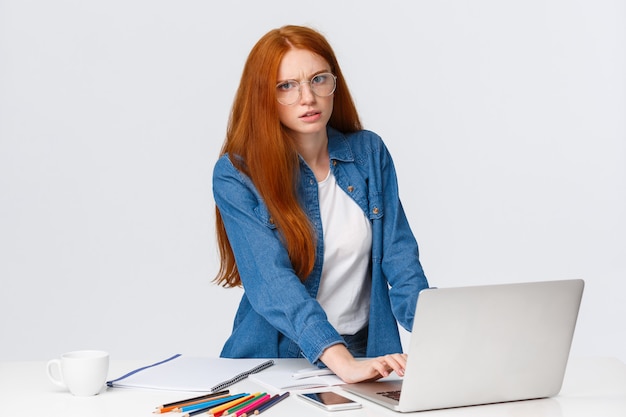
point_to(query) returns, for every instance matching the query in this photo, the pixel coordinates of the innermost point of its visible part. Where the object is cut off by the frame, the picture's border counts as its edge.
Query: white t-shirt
(345, 285)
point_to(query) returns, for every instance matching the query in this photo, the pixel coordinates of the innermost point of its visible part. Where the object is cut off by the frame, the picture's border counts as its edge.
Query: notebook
(181, 373)
(483, 344)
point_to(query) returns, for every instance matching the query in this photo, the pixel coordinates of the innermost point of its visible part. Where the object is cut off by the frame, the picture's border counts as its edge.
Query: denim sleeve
(400, 254)
(270, 283)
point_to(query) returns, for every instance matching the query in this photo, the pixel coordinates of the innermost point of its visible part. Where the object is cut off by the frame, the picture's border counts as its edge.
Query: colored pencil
(269, 400)
(213, 394)
(219, 410)
(250, 407)
(253, 411)
(275, 400)
(196, 412)
(210, 404)
(202, 411)
(166, 408)
(257, 395)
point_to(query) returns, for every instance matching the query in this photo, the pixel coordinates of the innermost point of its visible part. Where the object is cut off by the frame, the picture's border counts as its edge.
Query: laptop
(482, 345)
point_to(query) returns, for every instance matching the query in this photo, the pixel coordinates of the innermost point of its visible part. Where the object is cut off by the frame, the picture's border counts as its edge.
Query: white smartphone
(330, 401)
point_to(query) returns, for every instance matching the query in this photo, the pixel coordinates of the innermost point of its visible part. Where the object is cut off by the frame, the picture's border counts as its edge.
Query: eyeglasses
(322, 85)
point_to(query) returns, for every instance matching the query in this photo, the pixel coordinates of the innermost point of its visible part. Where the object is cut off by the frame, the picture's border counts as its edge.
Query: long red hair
(268, 155)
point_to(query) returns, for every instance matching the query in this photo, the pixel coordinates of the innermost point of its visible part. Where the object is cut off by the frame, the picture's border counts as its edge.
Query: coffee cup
(82, 372)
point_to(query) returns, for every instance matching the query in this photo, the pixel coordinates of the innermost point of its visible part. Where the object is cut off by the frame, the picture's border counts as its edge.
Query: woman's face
(308, 116)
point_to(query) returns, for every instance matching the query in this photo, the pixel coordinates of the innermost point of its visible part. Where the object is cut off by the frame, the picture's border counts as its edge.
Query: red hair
(268, 155)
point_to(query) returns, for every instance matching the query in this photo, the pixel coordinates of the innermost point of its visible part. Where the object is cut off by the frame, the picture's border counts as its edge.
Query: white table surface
(592, 387)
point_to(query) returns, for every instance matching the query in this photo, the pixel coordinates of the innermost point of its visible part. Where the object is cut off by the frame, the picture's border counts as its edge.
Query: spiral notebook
(191, 374)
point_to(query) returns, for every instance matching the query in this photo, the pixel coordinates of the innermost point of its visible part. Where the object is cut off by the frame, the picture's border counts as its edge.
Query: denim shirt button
(350, 188)
(334, 163)
(375, 210)
(311, 182)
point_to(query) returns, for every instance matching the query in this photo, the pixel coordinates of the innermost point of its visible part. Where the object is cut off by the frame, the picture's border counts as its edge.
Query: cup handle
(52, 364)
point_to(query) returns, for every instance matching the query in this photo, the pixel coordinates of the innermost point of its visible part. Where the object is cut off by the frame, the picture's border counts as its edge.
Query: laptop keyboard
(394, 395)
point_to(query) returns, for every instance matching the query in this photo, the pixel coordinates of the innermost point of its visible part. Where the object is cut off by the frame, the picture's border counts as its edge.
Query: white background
(507, 122)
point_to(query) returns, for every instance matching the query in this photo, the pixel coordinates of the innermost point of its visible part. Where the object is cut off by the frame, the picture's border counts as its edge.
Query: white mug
(83, 372)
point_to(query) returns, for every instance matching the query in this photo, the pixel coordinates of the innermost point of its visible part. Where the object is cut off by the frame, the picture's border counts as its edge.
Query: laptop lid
(485, 344)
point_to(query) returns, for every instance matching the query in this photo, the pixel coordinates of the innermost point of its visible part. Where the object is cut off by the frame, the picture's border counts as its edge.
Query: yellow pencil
(219, 409)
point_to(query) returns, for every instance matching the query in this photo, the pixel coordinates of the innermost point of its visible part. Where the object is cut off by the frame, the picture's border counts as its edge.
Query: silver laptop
(482, 345)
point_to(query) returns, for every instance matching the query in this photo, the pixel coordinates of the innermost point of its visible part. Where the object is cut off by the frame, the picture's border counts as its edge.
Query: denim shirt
(278, 315)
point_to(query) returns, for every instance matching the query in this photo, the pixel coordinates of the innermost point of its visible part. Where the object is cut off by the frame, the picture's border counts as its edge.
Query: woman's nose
(306, 93)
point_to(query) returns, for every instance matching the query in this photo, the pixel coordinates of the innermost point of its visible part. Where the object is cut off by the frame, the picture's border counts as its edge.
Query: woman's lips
(311, 116)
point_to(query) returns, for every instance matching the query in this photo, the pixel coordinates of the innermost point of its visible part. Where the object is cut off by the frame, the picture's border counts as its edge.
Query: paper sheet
(281, 379)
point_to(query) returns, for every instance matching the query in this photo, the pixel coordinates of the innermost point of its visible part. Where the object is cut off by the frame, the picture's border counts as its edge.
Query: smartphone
(330, 401)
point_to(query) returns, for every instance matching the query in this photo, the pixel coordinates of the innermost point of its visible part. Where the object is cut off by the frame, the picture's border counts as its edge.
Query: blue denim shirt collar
(338, 148)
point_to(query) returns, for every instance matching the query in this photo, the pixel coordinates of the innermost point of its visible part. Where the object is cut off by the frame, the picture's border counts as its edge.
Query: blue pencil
(275, 400)
(211, 403)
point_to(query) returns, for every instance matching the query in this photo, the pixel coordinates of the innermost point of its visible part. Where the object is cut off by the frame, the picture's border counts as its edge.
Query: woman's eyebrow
(306, 79)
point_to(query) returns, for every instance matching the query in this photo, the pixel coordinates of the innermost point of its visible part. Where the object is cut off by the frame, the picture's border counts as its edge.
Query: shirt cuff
(317, 338)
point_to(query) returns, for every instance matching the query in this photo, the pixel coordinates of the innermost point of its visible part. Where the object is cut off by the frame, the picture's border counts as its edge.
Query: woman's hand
(350, 370)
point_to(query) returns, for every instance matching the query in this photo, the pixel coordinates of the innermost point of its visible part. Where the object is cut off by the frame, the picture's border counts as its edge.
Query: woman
(309, 220)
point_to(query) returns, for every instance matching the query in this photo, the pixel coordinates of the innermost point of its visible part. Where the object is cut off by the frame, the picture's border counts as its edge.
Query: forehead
(301, 64)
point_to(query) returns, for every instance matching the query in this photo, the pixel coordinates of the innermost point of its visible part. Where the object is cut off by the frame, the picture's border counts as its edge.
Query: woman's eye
(288, 85)
(319, 79)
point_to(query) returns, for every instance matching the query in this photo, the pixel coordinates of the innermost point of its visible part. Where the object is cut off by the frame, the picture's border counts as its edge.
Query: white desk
(592, 387)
